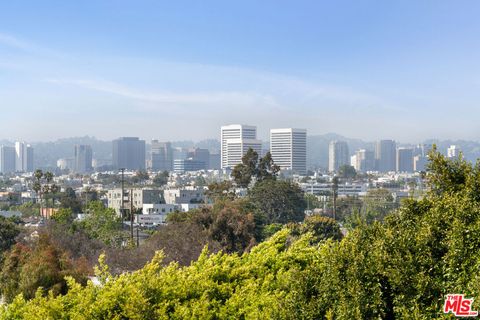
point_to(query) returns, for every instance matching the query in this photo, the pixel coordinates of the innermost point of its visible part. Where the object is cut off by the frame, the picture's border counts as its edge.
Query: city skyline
(406, 71)
(9, 141)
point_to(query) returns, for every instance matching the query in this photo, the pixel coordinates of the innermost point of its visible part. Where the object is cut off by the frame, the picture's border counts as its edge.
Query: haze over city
(179, 70)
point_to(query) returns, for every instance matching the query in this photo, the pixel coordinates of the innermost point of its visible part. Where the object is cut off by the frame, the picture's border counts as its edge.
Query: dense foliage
(278, 201)
(8, 232)
(401, 267)
(31, 265)
(253, 168)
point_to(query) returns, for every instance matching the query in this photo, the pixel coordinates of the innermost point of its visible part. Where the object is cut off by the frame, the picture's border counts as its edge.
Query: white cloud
(11, 41)
(201, 96)
(211, 99)
(28, 46)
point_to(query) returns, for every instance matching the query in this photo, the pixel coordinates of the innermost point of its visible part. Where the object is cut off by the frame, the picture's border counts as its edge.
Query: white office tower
(453, 151)
(288, 148)
(338, 155)
(353, 162)
(23, 157)
(236, 139)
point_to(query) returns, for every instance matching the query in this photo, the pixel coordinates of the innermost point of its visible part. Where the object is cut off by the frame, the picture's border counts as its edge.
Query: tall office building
(28, 164)
(83, 159)
(200, 155)
(214, 161)
(404, 160)
(23, 157)
(288, 148)
(162, 156)
(7, 159)
(338, 155)
(180, 153)
(19, 156)
(453, 151)
(236, 139)
(385, 155)
(365, 160)
(129, 153)
(353, 162)
(184, 165)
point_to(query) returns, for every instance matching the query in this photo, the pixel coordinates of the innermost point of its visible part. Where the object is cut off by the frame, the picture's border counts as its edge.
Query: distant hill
(46, 154)
(470, 149)
(211, 144)
(317, 148)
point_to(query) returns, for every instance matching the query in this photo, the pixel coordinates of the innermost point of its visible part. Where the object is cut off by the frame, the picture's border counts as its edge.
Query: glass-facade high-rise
(129, 153)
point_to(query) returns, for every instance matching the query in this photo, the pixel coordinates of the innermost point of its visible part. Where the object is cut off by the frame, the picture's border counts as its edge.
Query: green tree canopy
(40, 264)
(347, 172)
(251, 167)
(69, 200)
(321, 227)
(220, 191)
(161, 179)
(102, 223)
(278, 201)
(9, 230)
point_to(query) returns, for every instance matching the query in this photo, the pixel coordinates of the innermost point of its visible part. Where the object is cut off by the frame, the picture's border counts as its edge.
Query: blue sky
(407, 70)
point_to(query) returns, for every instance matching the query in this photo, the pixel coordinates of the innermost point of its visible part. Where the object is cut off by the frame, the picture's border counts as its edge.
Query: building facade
(236, 139)
(215, 161)
(200, 155)
(7, 159)
(23, 157)
(364, 160)
(139, 198)
(420, 163)
(404, 160)
(385, 155)
(184, 165)
(453, 151)
(161, 156)
(83, 159)
(129, 153)
(288, 148)
(338, 155)
(185, 195)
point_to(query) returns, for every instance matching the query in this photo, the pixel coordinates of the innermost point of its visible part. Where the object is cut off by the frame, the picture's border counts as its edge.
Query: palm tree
(48, 187)
(37, 186)
(53, 190)
(48, 176)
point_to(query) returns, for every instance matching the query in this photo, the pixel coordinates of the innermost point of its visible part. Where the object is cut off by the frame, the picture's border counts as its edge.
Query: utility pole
(131, 215)
(138, 241)
(122, 202)
(335, 193)
(122, 209)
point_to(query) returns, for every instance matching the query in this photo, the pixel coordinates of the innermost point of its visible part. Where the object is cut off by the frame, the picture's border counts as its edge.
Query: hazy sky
(172, 70)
